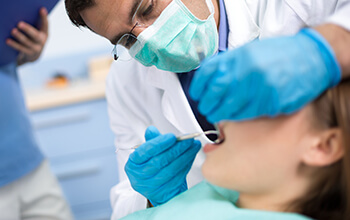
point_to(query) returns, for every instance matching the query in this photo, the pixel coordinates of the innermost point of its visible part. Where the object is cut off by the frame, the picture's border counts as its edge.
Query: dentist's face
(113, 18)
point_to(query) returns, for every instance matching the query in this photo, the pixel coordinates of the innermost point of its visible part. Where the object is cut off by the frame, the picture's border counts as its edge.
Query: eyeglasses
(146, 13)
(125, 42)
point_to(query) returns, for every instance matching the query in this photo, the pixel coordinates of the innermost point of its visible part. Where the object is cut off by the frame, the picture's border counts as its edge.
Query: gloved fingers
(202, 78)
(163, 183)
(167, 183)
(161, 161)
(166, 157)
(179, 167)
(257, 107)
(234, 101)
(174, 185)
(197, 145)
(152, 148)
(159, 188)
(151, 132)
(244, 94)
(186, 150)
(171, 187)
(249, 112)
(216, 92)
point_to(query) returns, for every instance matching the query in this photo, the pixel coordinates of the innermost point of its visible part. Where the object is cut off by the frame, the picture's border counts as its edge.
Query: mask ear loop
(210, 6)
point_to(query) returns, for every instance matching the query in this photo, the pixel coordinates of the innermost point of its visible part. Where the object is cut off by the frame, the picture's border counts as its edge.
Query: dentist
(163, 37)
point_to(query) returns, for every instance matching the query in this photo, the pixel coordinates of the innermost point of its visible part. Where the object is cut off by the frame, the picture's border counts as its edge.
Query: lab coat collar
(175, 106)
(243, 28)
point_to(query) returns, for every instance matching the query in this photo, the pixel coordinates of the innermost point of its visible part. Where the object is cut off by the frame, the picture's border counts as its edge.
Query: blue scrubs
(19, 153)
(186, 78)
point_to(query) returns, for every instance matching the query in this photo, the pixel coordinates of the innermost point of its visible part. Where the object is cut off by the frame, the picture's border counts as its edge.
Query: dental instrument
(201, 56)
(179, 138)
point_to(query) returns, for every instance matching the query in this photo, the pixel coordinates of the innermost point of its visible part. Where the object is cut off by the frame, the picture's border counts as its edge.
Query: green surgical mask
(171, 42)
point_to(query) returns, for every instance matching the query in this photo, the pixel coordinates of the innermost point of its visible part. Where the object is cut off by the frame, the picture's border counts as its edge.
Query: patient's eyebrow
(136, 4)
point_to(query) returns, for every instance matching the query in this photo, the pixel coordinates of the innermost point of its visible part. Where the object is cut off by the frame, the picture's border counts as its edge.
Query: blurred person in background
(28, 189)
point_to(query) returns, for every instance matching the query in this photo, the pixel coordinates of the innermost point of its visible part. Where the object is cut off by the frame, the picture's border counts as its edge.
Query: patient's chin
(210, 173)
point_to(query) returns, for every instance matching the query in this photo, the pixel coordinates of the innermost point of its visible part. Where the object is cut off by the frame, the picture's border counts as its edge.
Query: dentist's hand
(158, 168)
(29, 41)
(265, 78)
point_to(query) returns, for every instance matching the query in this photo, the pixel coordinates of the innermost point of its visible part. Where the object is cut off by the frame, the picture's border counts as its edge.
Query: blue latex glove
(265, 78)
(158, 168)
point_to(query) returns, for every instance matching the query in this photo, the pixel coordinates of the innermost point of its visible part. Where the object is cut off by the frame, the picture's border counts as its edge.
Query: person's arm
(339, 39)
(158, 168)
(29, 41)
(128, 125)
(275, 76)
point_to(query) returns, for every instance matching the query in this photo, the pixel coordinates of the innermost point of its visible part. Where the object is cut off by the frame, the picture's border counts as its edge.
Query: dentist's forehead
(110, 18)
(113, 18)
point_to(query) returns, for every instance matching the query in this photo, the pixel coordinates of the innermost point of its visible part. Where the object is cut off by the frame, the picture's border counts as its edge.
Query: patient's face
(260, 155)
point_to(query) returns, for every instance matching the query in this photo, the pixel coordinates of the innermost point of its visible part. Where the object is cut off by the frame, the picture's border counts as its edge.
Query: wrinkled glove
(265, 78)
(158, 168)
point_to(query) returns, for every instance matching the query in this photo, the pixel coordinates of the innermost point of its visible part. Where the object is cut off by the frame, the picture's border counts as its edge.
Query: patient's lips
(210, 147)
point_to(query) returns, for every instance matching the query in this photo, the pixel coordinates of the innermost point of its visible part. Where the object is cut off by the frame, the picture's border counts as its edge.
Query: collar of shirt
(186, 78)
(223, 27)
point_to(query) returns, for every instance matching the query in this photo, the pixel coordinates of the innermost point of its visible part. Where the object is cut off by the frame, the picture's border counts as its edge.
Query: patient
(290, 167)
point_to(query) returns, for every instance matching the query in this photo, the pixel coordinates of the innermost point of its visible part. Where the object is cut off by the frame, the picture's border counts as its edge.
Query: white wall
(64, 38)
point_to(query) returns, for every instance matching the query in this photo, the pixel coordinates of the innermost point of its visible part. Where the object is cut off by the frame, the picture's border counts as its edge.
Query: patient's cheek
(216, 169)
(210, 173)
(253, 148)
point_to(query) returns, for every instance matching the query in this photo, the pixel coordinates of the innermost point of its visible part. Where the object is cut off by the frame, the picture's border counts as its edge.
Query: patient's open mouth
(221, 136)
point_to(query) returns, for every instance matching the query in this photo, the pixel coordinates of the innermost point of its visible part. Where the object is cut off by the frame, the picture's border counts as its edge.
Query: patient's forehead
(264, 127)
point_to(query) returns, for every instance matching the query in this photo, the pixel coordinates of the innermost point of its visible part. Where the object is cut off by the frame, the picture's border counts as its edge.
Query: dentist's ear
(327, 149)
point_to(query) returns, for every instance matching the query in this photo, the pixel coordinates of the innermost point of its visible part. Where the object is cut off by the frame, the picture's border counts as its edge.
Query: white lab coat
(140, 96)
(342, 16)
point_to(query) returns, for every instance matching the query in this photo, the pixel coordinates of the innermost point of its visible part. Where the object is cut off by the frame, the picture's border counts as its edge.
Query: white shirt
(140, 96)
(342, 17)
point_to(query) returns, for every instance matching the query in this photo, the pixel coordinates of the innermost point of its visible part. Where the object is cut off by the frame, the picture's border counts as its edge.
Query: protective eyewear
(147, 12)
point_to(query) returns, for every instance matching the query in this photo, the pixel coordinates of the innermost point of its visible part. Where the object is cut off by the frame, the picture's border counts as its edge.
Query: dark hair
(329, 197)
(74, 7)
